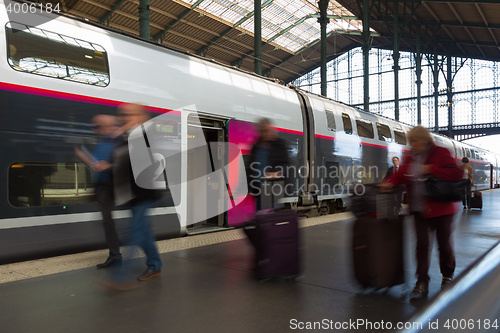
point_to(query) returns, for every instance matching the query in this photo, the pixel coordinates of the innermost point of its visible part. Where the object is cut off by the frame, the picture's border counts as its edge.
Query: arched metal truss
(475, 89)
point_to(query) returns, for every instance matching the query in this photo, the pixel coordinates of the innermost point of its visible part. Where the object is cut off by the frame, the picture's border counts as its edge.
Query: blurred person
(267, 178)
(268, 158)
(425, 158)
(105, 126)
(467, 182)
(139, 233)
(390, 172)
(393, 169)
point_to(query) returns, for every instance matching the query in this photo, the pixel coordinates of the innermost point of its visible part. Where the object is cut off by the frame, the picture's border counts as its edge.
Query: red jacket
(443, 167)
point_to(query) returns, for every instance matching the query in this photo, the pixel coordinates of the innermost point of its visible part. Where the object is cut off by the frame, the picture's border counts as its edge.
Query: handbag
(441, 190)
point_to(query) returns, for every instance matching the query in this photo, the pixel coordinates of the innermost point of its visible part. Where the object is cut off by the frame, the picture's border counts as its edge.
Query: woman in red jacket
(425, 158)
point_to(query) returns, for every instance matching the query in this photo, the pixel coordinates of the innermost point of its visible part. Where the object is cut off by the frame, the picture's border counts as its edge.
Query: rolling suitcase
(476, 200)
(378, 251)
(377, 242)
(274, 234)
(277, 244)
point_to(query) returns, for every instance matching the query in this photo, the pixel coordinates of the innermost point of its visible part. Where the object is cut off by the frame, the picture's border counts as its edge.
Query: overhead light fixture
(87, 56)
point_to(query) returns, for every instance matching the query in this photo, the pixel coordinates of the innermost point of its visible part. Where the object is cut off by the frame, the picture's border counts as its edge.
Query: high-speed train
(58, 71)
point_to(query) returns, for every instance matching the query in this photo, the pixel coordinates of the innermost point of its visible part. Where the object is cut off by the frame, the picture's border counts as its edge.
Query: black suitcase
(371, 201)
(476, 199)
(378, 251)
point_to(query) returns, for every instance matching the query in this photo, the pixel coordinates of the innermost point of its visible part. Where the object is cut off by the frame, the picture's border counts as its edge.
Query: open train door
(206, 151)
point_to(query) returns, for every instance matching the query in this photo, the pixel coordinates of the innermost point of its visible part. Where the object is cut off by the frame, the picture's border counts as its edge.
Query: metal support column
(366, 55)
(144, 19)
(436, 91)
(323, 20)
(418, 60)
(396, 59)
(449, 94)
(258, 36)
(349, 76)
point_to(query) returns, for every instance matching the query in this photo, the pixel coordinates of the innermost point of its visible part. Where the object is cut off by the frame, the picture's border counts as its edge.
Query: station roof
(223, 29)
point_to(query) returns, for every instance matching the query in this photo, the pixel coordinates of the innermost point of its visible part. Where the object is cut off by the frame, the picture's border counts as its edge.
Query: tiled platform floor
(206, 285)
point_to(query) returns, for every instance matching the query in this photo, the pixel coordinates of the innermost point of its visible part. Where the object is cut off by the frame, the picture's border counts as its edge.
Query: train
(57, 74)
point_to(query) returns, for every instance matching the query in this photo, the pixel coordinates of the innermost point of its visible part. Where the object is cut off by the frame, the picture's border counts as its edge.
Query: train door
(491, 176)
(206, 184)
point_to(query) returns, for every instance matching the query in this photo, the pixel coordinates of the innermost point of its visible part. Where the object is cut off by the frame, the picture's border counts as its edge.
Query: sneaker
(465, 208)
(420, 291)
(445, 282)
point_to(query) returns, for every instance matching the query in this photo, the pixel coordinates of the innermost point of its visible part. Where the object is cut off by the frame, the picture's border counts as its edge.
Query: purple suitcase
(277, 246)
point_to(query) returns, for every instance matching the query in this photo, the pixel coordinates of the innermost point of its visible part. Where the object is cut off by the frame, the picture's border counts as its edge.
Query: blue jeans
(139, 234)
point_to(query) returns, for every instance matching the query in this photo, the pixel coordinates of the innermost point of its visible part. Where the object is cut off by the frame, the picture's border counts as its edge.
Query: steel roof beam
(463, 42)
(284, 31)
(161, 34)
(464, 24)
(486, 22)
(466, 29)
(107, 17)
(228, 30)
(330, 58)
(164, 13)
(305, 48)
(123, 28)
(453, 1)
(439, 40)
(437, 19)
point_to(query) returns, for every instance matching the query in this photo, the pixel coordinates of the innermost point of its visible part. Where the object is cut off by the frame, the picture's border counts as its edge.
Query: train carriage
(55, 76)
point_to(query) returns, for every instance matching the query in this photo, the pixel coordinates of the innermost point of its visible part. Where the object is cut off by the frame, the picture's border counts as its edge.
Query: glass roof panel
(278, 16)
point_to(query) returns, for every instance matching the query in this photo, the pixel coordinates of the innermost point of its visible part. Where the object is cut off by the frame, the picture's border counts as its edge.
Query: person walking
(424, 159)
(467, 182)
(140, 200)
(268, 160)
(105, 127)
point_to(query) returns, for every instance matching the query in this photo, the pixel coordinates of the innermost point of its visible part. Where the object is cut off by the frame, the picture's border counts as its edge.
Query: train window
(330, 120)
(384, 133)
(49, 184)
(400, 136)
(365, 128)
(463, 152)
(37, 51)
(467, 151)
(347, 123)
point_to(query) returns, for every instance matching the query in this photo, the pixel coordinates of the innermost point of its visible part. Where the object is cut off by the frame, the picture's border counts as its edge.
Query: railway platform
(207, 286)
